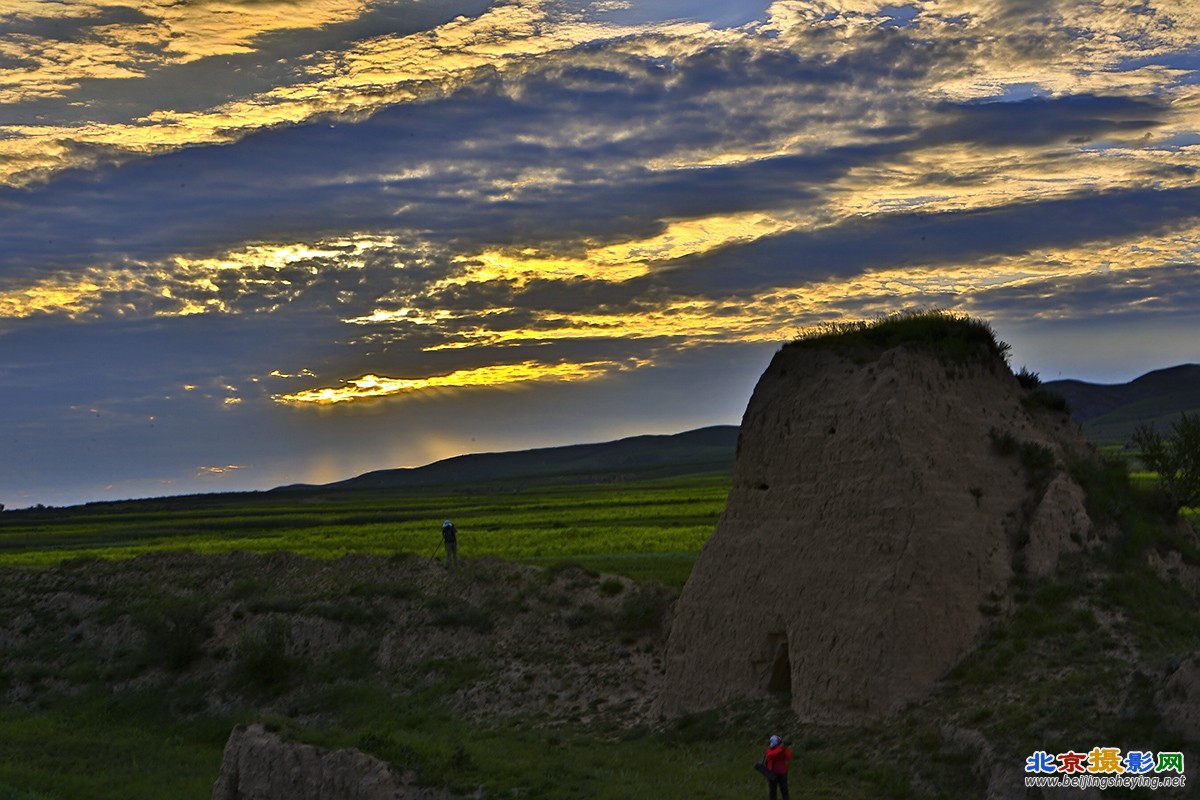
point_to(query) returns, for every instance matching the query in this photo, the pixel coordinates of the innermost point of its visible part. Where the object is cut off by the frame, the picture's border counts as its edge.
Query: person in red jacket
(779, 753)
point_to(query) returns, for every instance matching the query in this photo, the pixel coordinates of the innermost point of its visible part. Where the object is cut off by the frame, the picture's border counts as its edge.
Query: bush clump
(175, 632)
(261, 661)
(642, 610)
(1176, 459)
(611, 587)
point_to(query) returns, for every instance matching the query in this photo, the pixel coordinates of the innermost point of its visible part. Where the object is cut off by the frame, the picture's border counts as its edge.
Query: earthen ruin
(882, 501)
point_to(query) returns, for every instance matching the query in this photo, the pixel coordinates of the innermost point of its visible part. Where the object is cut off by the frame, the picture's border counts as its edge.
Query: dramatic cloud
(461, 225)
(374, 386)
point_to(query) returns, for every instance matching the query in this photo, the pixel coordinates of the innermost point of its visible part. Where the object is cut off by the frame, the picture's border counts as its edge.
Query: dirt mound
(881, 503)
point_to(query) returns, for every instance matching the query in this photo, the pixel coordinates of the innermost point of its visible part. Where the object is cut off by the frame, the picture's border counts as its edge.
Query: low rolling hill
(1109, 413)
(697, 452)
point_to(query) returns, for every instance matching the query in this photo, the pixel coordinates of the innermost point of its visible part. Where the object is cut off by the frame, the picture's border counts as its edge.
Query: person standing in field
(779, 753)
(450, 539)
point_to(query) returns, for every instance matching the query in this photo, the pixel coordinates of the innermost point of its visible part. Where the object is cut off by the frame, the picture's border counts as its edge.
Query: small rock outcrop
(882, 500)
(258, 765)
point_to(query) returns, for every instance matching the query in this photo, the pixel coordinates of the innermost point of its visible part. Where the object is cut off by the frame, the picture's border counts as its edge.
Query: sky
(248, 243)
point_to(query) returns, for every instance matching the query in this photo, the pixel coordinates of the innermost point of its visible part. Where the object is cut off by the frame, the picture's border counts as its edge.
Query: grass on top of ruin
(957, 337)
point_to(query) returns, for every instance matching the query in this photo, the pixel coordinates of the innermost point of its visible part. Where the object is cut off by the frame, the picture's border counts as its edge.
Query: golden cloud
(168, 33)
(48, 296)
(185, 285)
(359, 79)
(370, 387)
(211, 472)
(767, 316)
(621, 261)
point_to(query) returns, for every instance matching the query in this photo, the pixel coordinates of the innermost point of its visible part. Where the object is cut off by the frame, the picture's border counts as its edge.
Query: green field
(647, 529)
(128, 745)
(136, 744)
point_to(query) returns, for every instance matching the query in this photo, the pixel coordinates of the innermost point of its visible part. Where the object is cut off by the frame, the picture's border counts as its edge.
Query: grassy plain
(1058, 670)
(133, 745)
(147, 756)
(137, 745)
(644, 529)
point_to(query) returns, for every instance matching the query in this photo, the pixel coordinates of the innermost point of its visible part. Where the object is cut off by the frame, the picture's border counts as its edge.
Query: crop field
(647, 529)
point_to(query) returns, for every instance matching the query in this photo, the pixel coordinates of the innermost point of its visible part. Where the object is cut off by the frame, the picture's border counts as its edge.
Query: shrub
(1106, 485)
(611, 587)
(642, 609)
(1051, 401)
(1028, 380)
(459, 760)
(1038, 397)
(261, 662)
(1038, 461)
(1176, 459)
(382, 744)
(244, 589)
(175, 632)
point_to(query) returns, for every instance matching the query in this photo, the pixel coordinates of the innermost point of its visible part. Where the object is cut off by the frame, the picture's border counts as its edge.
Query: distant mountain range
(697, 452)
(1109, 413)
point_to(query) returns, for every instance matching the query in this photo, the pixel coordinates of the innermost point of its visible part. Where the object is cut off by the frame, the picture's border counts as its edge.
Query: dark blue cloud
(1170, 289)
(1040, 121)
(927, 241)
(719, 14)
